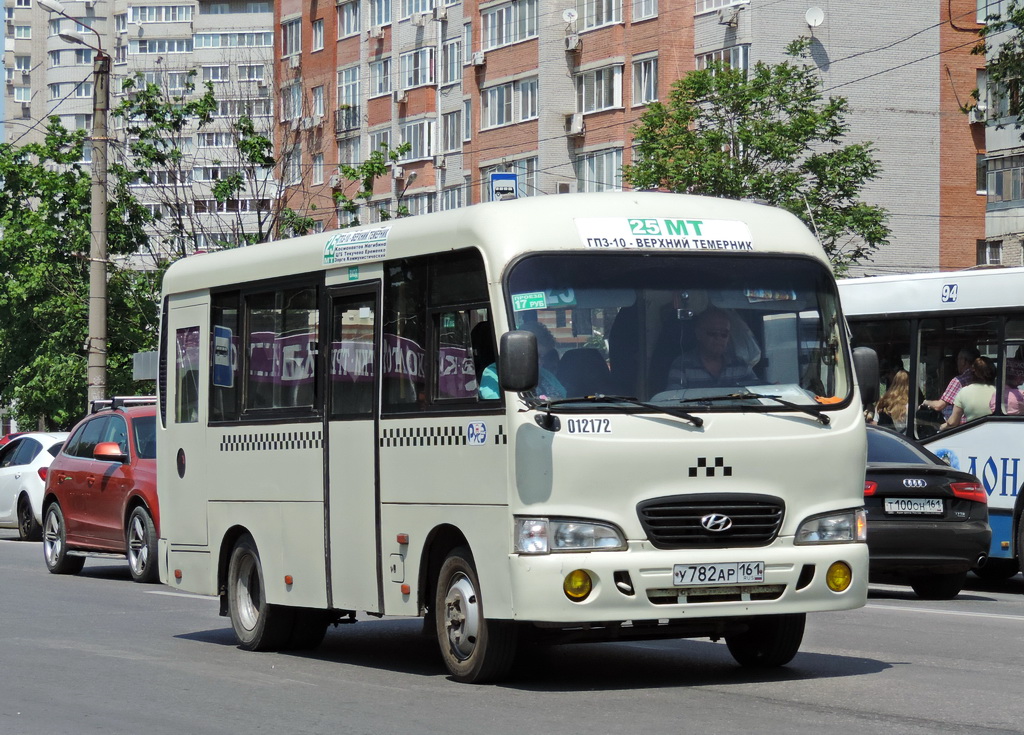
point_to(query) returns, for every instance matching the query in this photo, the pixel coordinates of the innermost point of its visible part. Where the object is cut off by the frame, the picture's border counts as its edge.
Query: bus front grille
(711, 520)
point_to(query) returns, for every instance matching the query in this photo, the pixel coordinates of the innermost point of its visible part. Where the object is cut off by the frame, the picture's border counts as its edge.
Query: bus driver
(714, 363)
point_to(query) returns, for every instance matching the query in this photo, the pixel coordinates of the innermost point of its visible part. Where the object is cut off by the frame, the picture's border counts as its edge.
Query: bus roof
(930, 293)
(650, 221)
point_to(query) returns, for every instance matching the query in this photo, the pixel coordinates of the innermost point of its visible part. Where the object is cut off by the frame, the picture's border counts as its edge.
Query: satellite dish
(569, 15)
(814, 16)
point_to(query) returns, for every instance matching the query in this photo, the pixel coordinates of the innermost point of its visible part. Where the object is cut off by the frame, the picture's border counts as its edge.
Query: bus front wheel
(474, 648)
(258, 625)
(770, 640)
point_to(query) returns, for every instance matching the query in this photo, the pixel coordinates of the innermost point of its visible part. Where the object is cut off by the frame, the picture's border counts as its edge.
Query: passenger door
(352, 400)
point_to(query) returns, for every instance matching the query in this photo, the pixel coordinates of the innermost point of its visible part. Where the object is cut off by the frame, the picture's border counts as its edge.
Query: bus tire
(140, 545)
(474, 648)
(996, 570)
(55, 544)
(28, 529)
(938, 586)
(769, 641)
(258, 626)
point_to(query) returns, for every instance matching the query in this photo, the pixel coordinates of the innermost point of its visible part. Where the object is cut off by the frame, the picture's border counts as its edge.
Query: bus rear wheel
(258, 626)
(770, 640)
(474, 648)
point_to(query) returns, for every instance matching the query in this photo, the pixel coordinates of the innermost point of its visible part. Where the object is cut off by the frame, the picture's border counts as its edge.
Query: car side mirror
(517, 361)
(109, 452)
(865, 364)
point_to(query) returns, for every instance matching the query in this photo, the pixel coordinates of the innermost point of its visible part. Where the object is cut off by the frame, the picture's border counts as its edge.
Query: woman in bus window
(974, 401)
(891, 409)
(1013, 399)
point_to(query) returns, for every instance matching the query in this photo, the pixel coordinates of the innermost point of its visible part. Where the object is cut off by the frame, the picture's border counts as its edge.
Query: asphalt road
(96, 653)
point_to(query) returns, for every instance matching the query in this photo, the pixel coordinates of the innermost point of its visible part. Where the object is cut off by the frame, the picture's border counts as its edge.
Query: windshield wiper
(809, 410)
(611, 400)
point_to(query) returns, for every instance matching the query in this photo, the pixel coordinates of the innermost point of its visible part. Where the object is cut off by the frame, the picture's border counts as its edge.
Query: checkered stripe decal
(434, 436)
(272, 441)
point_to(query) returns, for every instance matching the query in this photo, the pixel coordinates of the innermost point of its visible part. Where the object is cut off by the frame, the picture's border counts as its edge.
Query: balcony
(346, 119)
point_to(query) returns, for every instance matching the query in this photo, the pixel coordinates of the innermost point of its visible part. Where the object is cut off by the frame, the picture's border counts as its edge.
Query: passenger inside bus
(548, 385)
(964, 360)
(1013, 399)
(714, 360)
(975, 399)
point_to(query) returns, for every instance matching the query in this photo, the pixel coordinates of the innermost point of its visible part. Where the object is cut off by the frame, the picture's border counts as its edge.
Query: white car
(23, 465)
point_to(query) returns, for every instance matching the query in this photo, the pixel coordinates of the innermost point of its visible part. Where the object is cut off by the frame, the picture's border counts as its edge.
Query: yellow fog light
(577, 585)
(839, 576)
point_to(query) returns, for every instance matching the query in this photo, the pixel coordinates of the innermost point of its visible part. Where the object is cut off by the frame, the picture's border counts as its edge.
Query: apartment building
(550, 91)
(229, 44)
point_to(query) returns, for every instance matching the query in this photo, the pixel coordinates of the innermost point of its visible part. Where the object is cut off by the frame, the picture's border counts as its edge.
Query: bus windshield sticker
(620, 233)
(529, 301)
(759, 295)
(223, 370)
(353, 247)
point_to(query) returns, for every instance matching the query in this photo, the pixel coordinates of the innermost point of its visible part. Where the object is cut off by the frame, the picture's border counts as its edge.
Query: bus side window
(351, 359)
(186, 375)
(464, 346)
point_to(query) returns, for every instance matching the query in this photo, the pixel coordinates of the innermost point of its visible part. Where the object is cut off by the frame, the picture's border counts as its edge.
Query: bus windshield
(714, 332)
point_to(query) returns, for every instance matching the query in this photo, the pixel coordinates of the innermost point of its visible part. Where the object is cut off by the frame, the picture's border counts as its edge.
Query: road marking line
(181, 594)
(946, 612)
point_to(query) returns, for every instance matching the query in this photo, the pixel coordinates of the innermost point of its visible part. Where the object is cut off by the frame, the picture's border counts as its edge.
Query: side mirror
(109, 452)
(865, 364)
(517, 361)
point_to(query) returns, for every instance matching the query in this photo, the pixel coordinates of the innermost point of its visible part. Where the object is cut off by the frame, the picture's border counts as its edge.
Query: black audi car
(927, 522)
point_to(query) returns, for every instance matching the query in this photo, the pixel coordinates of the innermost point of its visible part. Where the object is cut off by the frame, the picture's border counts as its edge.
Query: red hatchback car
(100, 497)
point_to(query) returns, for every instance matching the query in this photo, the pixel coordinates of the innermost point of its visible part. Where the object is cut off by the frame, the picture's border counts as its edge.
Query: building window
(733, 57)
(420, 203)
(645, 81)
(600, 89)
(451, 61)
(216, 74)
(84, 90)
(348, 89)
(990, 252)
(22, 94)
(453, 197)
(121, 23)
(23, 63)
(418, 68)
(415, 6)
(293, 166)
(509, 23)
(527, 96)
(497, 102)
(982, 171)
(600, 171)
(467, 120)
(990, 8)
(380, 12)
(250, 73)
(161, 14)
(318, 100)
(160, 46)
(380, 139)
(349, 151)
(23, 32)
(380, 77)
(348, 19)
(451, 130)
(467, 43)
(596, 13)
(1004, 179)
(257, 39)
(291, 37)
(53, 57)
(644, 9)
(704, 6)
(83, 56)
(420, 137)
(318, 35)
(291, 101)
(318, 168)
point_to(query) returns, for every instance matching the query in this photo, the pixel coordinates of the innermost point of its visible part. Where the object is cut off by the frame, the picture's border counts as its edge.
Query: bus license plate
(914, 505)
(734, 572)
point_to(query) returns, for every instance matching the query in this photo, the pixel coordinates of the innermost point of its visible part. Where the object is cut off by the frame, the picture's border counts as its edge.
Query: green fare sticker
(353, 273)
(528, 301)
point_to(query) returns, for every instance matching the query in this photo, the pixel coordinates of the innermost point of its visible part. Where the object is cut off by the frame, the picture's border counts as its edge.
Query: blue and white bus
(920, 322)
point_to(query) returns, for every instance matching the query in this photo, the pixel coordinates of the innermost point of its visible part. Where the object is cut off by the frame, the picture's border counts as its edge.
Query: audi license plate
(733, 572)
(931, 506)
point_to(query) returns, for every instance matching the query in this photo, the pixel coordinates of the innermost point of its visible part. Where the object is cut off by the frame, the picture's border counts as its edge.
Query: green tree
(361, 180)
(767, 134)
(44, 218)
(1002, 45)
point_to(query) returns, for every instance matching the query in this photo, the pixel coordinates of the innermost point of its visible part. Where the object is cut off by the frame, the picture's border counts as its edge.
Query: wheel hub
(462, 616)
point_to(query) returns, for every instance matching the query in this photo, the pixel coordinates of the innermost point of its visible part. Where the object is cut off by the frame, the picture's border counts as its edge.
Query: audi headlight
(550, 535)
(834, 528)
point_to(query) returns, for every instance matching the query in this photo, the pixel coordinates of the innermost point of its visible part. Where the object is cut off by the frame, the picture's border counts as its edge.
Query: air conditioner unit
(295, 124)
(729, 16)
(400, 96)
(440, 162)
(307, 123)
(574, 124)
(375, 32)
(295, 61)
(263, 90)
(479, 58)
(317, 121)
(335, 180)
(419, 19)
(397, 172)
(440, 12)
(978, 113)
(572, 42)
(565, 187)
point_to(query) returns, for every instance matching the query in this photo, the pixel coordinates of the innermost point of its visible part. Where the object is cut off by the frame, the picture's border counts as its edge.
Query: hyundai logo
(915, 483)
(716, 522)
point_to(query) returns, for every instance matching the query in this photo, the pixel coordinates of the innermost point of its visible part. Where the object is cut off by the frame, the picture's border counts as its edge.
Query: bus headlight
(834, 528)
(550, 535)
